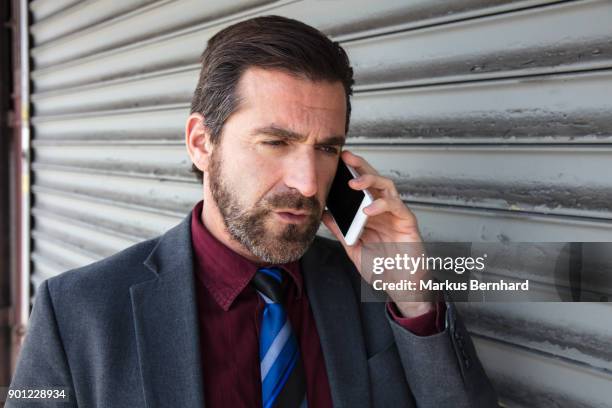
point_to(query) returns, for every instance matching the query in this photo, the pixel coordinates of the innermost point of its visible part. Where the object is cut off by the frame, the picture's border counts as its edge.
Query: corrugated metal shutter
(493, 116)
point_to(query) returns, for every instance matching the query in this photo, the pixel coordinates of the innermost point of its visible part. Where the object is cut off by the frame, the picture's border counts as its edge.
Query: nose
(301, 172)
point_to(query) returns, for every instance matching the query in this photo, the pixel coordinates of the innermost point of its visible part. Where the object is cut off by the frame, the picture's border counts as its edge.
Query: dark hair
(271, 42)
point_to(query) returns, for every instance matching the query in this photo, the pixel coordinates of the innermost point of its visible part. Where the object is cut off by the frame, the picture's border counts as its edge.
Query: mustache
(295, 202)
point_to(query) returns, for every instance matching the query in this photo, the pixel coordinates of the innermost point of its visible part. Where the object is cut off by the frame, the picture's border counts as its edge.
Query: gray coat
(123, 332)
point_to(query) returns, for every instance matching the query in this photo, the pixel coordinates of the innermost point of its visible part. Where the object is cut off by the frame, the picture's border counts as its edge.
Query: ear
(197, 141)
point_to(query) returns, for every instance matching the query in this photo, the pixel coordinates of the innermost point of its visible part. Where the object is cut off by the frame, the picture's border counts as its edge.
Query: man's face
(272, 169)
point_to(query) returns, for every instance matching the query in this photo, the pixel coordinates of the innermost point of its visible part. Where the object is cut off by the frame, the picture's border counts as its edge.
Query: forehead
(276, 96)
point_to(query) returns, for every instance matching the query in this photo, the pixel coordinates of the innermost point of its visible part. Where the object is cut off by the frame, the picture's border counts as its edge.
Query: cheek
(254, 176)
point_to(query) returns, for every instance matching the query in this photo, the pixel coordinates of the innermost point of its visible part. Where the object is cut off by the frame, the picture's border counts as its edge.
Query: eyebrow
(276, 131)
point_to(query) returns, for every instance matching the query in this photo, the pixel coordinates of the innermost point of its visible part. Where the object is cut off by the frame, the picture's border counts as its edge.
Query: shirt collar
(224, 272)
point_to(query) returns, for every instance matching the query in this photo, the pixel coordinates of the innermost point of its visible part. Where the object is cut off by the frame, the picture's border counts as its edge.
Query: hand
(389, 221)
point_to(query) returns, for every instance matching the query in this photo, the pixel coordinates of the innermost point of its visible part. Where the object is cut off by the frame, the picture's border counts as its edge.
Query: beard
(248, 225)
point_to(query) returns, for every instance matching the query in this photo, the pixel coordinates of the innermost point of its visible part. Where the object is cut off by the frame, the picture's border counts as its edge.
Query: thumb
(331, 225)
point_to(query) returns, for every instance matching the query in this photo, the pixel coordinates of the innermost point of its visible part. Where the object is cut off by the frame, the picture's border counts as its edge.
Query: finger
(374, 182)
(371, 234)
(393, 205)
(399, 230)
(358, 163)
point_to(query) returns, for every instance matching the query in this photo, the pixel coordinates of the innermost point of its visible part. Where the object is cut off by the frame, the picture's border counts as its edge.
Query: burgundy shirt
(229, 313)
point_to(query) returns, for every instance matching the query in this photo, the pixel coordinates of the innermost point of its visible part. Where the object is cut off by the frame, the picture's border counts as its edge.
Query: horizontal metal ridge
(141, 173)
(108, 201)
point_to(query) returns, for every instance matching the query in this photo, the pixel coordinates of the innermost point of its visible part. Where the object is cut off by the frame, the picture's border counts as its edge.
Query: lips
(292, 216)
(294, 212)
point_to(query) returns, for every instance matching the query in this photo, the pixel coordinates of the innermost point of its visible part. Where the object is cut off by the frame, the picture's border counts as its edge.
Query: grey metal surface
(493, 117)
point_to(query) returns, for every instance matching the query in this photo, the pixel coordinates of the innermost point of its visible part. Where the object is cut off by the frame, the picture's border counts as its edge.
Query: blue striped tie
(282, 373)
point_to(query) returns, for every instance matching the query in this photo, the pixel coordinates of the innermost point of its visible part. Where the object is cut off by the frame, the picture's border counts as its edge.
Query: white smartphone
(346, 205)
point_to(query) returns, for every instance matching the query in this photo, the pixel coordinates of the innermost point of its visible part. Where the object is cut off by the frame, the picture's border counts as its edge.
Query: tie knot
(268, 282)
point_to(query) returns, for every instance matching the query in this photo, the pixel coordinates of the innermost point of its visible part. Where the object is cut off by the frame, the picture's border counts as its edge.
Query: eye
(274, 143)
(329, 149)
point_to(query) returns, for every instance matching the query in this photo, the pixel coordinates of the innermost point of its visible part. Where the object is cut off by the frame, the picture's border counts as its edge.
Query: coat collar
(167, 335)
(166, 325)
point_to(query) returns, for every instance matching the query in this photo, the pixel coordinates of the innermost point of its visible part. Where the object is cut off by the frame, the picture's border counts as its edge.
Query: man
(240, 305)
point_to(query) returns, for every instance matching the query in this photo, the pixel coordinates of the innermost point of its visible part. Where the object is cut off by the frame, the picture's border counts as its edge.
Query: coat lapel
(335, 309)
(166, 324)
